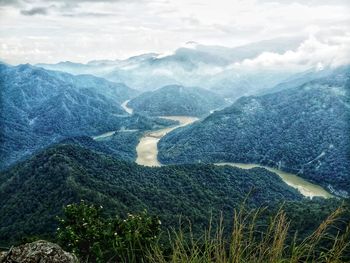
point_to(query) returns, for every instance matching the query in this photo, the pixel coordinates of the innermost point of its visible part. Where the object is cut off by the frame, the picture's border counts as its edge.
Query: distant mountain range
(303, 129)
(208, 67)
(177, 100)
(40, 107)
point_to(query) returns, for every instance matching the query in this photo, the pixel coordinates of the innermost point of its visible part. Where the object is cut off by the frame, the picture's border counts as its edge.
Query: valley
(174, 131)
(147, 155)
(181, 153)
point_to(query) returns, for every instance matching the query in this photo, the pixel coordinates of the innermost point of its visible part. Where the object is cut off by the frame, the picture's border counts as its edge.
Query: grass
(253, 242)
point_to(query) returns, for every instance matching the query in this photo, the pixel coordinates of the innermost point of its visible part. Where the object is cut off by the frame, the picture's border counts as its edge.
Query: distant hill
(176, 100)
(40, 107)
(302, 129)
(33, 192)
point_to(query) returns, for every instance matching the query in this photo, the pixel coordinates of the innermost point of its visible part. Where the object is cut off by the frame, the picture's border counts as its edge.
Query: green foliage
(302, 130)
(94, 238)
(32, 193)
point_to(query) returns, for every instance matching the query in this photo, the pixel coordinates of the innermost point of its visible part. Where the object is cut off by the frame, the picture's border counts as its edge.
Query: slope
(303, 130)
(33, 192)
(176, 100)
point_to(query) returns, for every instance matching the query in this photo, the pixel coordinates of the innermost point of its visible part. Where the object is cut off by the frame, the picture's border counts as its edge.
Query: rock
(2, 256)
(38, 252)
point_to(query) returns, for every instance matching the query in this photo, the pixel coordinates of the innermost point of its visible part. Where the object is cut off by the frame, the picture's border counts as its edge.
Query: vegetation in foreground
(138, 238)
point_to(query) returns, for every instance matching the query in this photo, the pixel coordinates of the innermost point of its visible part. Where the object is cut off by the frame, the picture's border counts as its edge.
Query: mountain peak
(191, 44)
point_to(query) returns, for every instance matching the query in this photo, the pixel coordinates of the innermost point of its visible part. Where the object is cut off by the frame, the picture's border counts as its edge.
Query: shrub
(95, 238)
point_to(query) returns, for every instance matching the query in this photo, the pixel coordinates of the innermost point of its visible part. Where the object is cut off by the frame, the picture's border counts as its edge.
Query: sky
(49, 31)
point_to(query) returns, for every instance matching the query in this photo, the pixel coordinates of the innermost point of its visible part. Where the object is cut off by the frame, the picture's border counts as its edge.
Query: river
(110, 133)
(147, 149)
(126, 108)
(147, 155)
(305, 187)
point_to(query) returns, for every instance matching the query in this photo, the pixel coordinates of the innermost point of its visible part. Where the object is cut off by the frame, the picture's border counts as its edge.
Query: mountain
(32, 193)
(116, 91)
(304, 77)
(303, 130)
(205, 66)
(40, 107)
(176, 100)
(121, 144)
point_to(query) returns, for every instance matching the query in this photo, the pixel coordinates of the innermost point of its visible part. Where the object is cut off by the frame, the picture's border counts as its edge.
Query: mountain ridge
(41, 107)
(302, 130)
(37, 189)
(176, 100)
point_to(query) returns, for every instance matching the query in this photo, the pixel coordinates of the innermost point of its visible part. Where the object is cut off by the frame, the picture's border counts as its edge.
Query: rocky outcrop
(38, 252)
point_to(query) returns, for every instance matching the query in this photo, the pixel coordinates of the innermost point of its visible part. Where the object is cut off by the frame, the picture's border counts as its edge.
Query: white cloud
(310, 54)
(84, 30)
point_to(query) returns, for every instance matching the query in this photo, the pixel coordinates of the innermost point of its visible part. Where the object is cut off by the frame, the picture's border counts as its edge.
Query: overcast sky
(82, 30)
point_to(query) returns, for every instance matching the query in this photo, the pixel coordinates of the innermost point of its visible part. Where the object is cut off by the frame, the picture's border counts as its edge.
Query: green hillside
(33, 193)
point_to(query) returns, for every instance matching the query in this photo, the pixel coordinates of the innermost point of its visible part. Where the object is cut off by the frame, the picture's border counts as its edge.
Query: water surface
(147, 149)
(305, 187)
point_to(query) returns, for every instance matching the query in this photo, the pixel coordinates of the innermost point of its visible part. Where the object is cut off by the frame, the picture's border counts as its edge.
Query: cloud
(310, 54)
(88, 14)
(35, 11)
(8, 2)
(307, 2)
(16, 2)
(109, 29)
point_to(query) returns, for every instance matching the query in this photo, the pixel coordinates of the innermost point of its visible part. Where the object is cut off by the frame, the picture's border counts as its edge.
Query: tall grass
(252, 242)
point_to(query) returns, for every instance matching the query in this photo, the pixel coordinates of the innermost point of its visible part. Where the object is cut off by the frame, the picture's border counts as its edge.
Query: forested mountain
(33, 192)
(176, 100)
(121, 144)
(303, 130)
(39, 107)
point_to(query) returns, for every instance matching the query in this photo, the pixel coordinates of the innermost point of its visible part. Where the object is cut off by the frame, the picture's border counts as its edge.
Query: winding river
(126, 108)
(147, 149)
(147, 155)
(305, 187)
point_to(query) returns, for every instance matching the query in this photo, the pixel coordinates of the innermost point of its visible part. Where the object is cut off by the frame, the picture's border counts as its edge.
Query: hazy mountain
(301, 78)
(33, 193)
(302, 129)
(40, 107)
(176, 100)
(204, 66)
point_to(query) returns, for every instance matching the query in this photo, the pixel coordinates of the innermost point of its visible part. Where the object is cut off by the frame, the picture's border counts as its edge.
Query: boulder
(38, 252)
